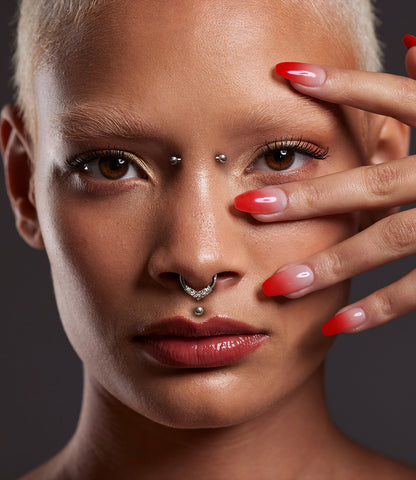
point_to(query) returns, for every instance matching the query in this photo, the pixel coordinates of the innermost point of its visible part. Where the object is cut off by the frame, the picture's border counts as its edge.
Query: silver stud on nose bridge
(219, 158)
(175, 160)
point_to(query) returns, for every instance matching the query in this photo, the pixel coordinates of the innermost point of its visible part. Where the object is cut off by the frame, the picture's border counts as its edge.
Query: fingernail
(261, 201)
(345, 321)
(409, 41)
(303, 73)
(287, 281)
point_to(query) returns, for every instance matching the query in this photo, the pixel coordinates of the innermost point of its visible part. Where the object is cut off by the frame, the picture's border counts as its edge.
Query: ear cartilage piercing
(198, 311)
(175, 160)
(197, 294)
(221, 158)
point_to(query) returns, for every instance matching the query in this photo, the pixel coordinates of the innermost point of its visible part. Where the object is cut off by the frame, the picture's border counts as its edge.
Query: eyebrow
(86, 121)
(91, 120)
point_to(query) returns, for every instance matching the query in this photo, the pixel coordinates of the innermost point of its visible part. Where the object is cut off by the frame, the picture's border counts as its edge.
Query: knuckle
(334, 265)
(404, 91)
(381, 180)
(399, 232)
(384, 304)
(307, 197)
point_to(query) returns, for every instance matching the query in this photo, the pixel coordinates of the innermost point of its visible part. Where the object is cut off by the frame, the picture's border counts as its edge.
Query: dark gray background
(371, 382)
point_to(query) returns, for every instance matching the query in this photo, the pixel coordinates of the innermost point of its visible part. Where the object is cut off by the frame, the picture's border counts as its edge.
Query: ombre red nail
(291, 280)
(304, 73)
(409, 41)
(264, 201)
(344, 322)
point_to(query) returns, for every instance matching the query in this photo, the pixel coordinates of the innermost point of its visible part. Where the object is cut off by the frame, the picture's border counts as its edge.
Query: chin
(209, 413)
(206, 399)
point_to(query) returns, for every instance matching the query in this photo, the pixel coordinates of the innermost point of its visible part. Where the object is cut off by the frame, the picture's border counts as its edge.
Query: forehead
(189, 57)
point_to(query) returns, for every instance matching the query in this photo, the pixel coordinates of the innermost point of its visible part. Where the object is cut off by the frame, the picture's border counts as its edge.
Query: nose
(199, 236)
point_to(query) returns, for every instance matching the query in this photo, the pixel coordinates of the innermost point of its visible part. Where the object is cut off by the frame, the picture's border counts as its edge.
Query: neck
(112, 441)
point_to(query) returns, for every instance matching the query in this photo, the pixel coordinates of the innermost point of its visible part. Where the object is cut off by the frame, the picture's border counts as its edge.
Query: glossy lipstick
(179, 342)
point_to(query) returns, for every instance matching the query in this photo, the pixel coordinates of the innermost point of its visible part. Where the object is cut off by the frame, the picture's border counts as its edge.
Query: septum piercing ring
(198, 294)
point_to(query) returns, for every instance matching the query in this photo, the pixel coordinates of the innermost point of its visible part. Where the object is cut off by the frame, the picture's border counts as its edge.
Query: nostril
(228, 275)
(169, 280)
(169, 277)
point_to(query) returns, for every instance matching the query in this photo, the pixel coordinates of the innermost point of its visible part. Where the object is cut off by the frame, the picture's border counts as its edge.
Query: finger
(410, 42)
(375, 187)
(380, 307)
(380, 93)
(385, 241)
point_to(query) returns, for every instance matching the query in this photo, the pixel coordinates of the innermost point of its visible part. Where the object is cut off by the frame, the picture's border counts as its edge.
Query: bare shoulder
(358, 462)
(383, 468)
(50, 470)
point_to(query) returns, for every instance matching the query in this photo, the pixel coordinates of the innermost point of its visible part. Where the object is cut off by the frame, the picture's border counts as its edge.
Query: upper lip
(182, 327)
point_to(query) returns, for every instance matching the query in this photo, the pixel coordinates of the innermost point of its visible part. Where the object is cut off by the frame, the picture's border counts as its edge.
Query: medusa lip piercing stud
(221, 158)
(198, 311)
(197, 294)
(175, 160)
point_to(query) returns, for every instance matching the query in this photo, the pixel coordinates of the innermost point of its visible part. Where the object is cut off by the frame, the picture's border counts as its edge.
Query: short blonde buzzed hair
(47, 29)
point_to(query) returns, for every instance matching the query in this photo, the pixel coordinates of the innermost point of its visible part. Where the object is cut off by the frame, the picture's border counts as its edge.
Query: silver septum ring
(197, 294)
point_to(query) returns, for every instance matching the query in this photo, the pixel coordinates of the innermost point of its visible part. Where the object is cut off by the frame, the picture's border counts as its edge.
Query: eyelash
(80, 161)
(297, 145)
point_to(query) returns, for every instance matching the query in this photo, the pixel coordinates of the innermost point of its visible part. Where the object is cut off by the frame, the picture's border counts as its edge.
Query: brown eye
(109, 165)
(113, 168)
(279, 159)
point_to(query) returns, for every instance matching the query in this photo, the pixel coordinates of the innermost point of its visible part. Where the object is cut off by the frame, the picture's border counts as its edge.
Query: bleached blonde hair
(47, 29)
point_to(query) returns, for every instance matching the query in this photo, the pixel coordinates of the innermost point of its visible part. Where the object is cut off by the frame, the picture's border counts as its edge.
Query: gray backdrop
(370, 384)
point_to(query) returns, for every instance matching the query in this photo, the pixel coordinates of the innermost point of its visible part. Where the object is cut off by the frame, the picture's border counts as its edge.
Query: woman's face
(190, 79)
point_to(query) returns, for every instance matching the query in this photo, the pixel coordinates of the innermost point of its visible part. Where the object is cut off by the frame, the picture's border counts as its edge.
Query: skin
(114, 245)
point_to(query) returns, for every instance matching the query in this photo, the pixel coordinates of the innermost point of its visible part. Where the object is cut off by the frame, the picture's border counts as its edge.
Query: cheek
(282, 243)
(98, 242)
(98, 251)
(298, 322)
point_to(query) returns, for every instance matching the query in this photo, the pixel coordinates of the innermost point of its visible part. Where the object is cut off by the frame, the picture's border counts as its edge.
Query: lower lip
(200, 352)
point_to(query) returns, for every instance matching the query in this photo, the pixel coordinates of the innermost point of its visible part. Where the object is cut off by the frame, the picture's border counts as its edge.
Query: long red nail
(345, 321)
(261, 201)
(287, 281)
(303, 73)
(409, 41)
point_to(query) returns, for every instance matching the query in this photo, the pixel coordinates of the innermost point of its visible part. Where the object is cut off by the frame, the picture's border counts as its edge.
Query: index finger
(381, 93)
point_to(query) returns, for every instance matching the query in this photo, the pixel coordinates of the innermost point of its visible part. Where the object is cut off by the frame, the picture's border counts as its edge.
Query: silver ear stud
(221, 158)
(175, 160)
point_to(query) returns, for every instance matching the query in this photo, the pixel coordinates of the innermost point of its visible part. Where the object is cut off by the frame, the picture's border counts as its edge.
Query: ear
(17, 151)
(389, 140)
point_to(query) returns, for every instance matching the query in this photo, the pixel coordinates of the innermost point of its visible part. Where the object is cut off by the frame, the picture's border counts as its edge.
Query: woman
(139, 181)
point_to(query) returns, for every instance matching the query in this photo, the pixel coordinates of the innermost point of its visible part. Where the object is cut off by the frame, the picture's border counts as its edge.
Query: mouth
(179, 342)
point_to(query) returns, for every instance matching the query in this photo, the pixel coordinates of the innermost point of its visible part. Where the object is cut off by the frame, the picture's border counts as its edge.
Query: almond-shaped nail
(261, 201)
(304, 73)
(409, 41)
(291, 280)
(345, 321)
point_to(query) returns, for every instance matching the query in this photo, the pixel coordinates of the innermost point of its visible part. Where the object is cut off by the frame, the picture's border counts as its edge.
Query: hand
(385, 187)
